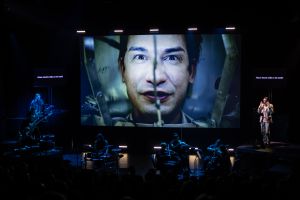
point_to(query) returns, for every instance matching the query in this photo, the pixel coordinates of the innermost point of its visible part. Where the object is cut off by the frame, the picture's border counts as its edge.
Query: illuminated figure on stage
(265, 110)
(36, 107)
(30, 127)
(182, 149)
(29, 131)
(217, 162)
(167, 160)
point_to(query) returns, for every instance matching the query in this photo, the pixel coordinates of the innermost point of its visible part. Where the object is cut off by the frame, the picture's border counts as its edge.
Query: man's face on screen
(172, 74)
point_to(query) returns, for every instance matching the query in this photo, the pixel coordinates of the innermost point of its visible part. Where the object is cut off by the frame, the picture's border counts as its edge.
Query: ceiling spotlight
(80, 31)
(153, 29)
(230, 28)
(192, 29)
(118, 31)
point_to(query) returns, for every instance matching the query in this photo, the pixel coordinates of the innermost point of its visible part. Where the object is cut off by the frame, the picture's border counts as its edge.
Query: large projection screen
(161, 80)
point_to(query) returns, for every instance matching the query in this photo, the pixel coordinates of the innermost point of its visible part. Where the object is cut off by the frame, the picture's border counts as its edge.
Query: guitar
(27, 132)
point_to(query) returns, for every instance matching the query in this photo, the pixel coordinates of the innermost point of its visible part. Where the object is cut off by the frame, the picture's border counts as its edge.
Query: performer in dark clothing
(100, 144)
(37, 107)
(182, 149)
(167, 160)
(218, 161)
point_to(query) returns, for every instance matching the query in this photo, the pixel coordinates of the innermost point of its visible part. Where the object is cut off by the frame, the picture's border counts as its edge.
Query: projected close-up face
(168, 55)
(161, 80)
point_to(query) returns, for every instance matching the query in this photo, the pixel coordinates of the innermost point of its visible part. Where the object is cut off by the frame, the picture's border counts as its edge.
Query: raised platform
(278, 156)
(276, 149)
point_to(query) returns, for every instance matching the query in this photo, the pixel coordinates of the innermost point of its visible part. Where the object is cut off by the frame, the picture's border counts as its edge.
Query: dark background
(42, 35)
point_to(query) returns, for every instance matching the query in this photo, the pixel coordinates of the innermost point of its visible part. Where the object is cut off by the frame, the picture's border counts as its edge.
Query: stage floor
(279, 156)
(142, 163)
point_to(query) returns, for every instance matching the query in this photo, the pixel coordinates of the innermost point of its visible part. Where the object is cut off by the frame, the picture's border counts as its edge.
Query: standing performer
(37, 107)
(265, 109)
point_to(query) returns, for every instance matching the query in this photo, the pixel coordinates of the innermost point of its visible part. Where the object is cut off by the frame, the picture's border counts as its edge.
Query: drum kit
(213, 160)
(104, 159)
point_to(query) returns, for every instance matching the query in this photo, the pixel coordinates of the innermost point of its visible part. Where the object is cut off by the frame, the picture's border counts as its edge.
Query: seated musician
(104, 155)
(167, 160)
(177, 144)
(100, 144)
(218, 161)
(214, 148)
(182, 149)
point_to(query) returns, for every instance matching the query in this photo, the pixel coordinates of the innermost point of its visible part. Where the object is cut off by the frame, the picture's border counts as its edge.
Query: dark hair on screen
(193, 43)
